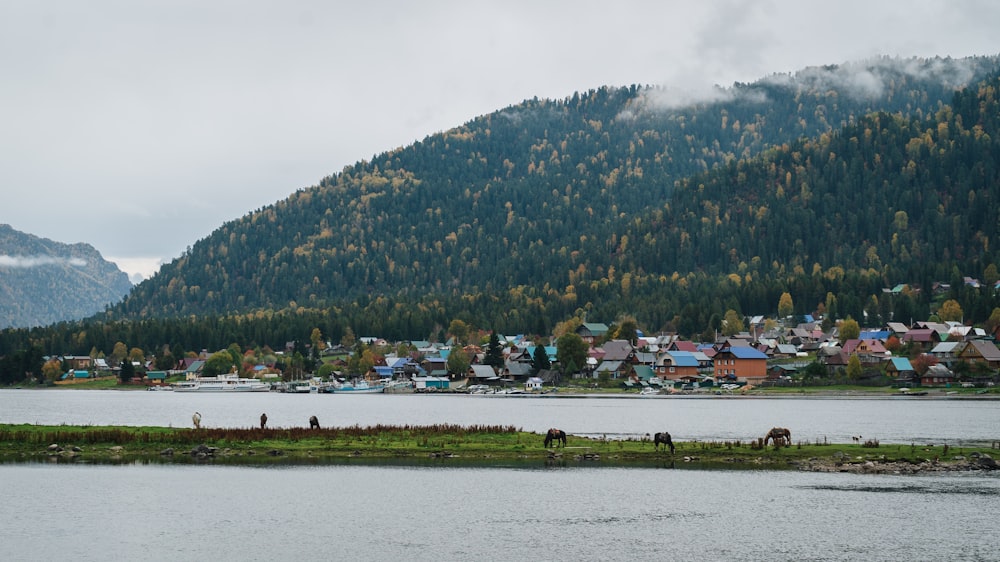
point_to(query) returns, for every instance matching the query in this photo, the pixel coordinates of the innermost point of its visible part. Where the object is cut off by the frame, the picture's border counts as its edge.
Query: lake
(890, 420)
(450, 511)
(190, 512)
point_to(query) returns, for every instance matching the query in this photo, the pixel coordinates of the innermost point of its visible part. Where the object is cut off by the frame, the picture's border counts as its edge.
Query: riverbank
(461, 445)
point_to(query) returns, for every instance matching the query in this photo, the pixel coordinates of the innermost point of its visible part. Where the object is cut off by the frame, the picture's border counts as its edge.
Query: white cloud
(24, 262)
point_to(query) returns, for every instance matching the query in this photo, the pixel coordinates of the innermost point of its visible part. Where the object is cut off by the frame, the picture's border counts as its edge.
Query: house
(676, 364)
(641, 374)
(923, 338)
(614, 369)
(981, 351)
(480, 374)
(744, 363)
(899, 368)
(947, 352)
(156, 377)
(619, 350)
(533, 383)
(868, 351)
(937, 374)
(515, 371)
(79, 362)
(591, 331)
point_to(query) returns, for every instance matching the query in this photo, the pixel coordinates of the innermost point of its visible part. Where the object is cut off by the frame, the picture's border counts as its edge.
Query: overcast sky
(141, 126)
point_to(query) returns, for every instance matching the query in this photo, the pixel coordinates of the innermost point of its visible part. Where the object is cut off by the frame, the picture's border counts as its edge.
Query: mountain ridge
(43, 281)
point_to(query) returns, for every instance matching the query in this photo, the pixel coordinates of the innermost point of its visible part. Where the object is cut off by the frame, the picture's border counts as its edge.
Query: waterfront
(520, 511)
(890, 420)
(186, 512)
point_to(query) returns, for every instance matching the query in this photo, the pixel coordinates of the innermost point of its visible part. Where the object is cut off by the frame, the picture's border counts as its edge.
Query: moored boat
(361, 387)
(222, 383)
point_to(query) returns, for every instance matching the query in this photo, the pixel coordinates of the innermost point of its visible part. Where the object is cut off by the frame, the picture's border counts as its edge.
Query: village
(899, 356)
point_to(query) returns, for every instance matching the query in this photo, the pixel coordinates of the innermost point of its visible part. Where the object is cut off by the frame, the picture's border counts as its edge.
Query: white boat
(298, 387)
(649, 391)
(222, 383)
(361, 387)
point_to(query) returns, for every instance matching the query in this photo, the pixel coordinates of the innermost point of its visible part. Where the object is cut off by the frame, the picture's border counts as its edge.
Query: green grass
(27, 443)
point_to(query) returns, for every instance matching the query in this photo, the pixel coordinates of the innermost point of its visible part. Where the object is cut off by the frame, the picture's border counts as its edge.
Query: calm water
(891, 420)
(189, 512)
(527, 512)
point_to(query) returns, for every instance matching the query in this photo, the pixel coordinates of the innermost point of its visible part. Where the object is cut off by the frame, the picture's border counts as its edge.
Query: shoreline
(445, 445)
(810, 393)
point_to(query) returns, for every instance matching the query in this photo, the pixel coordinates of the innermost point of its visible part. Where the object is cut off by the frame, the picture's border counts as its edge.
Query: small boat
(159, 387)
(298, 387)
(649, 391)
(361, 387)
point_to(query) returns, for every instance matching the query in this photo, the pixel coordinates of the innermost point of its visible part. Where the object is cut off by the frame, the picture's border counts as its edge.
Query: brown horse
(263, 420)
(664, 438)
(555, 435)
(780, 435)
(313, 422)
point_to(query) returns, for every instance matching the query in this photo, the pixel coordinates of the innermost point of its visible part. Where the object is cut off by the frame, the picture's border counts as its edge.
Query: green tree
(854, 367)
(994, 320)
(540, 360)
(785, 306)
(219, 363)
(460, 331)
(571, 352)
(126, 372)
(235, 354)
(494, 352)
(348, 338)
(458, 361)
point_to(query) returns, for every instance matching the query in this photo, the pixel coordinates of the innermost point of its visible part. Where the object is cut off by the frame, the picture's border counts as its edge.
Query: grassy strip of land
(497, 445)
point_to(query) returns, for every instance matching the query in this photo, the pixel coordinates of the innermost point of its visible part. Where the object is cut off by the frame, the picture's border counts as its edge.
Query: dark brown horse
(664, 438)
(313, 422)
(555, 435)
(263, 420)
(780, 435)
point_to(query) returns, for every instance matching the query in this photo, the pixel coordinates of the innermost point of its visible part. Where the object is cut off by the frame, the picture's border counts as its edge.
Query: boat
(649, 391)
(159, 387)
(222, 383)
(361, 387)
(298, 387)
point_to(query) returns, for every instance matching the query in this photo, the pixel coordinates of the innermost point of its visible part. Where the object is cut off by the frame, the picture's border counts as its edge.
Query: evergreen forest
(832, 184)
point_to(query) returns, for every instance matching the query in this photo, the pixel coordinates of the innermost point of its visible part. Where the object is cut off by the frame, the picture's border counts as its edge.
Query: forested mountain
(831, 184)
(42, 282)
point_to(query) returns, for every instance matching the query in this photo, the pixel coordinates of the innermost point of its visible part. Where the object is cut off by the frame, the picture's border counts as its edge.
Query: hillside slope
(42, 281)
(552, 196)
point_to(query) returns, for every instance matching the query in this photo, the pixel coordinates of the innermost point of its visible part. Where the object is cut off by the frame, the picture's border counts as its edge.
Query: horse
(196, 419)
(263, 420)
(664, 438)
(313, 422)
(555, 435)
(780, 435)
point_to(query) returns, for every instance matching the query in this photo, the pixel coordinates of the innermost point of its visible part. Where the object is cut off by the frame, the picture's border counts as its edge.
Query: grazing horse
(780, 435)
(555, 435)
(664, 438)
(263, 420)
(313, 422)
(196, 419)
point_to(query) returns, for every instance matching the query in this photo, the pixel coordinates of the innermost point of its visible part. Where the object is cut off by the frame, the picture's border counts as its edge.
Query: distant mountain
(42, 282)
(626, 200)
